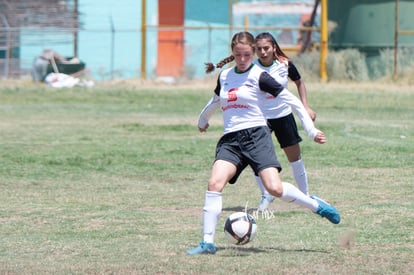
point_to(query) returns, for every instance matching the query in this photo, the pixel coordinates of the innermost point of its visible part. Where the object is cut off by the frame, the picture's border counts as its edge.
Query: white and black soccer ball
(240, 228)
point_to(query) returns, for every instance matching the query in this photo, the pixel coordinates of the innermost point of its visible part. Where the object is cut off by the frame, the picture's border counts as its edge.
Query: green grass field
(111, 180)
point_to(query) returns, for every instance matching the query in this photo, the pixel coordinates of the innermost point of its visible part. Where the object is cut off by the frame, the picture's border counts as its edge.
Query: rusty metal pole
(324, 40)
(396, 41)
(246, 23)
(75, 33)
(143, 39)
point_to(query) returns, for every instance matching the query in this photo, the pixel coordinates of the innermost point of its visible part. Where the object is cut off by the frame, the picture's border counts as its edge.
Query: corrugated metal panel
(369, 23)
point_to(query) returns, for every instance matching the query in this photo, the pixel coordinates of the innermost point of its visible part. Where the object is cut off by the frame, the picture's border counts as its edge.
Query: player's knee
(275, 190)
(216, 185)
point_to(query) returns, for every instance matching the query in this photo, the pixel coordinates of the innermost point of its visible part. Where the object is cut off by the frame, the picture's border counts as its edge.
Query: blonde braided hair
(240, 37)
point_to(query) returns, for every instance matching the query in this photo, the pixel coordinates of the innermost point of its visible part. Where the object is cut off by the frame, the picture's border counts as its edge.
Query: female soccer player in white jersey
(278, 114)
(241, 91)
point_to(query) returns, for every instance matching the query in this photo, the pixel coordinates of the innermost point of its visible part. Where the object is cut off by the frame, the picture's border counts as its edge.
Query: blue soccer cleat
(203, 248)
(265, 202)
(327, 211)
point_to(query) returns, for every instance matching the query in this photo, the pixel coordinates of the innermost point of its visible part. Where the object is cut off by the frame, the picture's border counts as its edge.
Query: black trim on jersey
(265, 66)
(293, 72)
(239, 72)
(218, 86)
(269, 84)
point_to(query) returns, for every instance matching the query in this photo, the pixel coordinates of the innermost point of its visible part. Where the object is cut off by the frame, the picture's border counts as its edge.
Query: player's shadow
(246, 251)
(236, 209)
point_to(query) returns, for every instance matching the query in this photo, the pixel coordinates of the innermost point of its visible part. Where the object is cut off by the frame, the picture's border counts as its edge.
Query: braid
(225, 61)
(210, 66)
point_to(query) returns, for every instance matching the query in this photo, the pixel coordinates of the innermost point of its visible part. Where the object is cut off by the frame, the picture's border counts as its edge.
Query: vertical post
(143, 39)
(231, 19)
(112, 47)
(396, 40)
(209, 42)
(246, 23)
(324, 40)
(7, 54)
(75, 33)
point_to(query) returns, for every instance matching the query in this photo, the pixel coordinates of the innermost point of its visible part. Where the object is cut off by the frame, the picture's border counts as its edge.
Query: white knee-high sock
(261, 186)
(301, 178)
(211, 213)
(293, 194)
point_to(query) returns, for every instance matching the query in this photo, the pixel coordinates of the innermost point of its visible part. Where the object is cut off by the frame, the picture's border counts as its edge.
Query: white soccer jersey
(274, 107)
(242, 97)
(239, 99)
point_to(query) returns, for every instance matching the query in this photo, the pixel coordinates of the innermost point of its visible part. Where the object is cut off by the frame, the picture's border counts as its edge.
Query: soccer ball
(240, 228)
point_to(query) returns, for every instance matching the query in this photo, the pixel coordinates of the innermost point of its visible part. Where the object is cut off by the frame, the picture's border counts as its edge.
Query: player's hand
(320, 138)
(203, 129)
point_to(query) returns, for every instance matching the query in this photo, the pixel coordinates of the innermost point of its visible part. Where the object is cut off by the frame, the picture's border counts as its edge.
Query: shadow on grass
(230, 251)
(238, 209)
(246, 251)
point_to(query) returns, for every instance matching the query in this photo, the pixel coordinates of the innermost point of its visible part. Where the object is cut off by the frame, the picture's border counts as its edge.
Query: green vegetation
(112, 180)
(354, 65)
